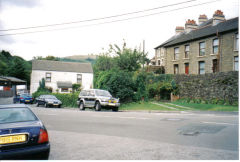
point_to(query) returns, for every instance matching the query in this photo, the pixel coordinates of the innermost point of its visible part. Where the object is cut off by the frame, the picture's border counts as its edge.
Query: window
(201, 48)
(215, 66)
(215, 46)
(236, 42)
(176, 70)
(48, 77)
(186, 68)
(159, 62)
(201, 67)
(79, 78)
(64, 89)
(187, 51)
(236, 63)
(176, 53)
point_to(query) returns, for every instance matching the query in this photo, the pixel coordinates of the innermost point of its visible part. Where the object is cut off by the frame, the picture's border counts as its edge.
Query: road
(79, 135)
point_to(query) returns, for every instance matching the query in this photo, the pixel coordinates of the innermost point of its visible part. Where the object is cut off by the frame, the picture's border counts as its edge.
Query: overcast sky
(82, 39)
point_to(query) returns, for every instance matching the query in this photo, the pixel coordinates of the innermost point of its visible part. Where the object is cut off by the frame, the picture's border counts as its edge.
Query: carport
(9, 86)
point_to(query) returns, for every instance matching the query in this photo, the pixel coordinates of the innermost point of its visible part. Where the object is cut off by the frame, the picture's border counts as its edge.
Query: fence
(6, 93)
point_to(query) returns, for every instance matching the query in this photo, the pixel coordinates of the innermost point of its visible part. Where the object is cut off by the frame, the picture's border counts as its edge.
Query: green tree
(118, 83)
(18, 69)
(76, 87)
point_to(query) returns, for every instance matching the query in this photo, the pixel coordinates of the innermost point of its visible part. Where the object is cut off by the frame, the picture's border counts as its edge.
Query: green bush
(67, 99)
(119, 83)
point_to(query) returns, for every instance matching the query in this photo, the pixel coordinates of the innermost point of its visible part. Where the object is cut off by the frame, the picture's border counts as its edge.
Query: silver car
(97, 98)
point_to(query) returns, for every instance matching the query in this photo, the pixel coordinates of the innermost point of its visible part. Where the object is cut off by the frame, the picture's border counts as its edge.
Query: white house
(61, 75)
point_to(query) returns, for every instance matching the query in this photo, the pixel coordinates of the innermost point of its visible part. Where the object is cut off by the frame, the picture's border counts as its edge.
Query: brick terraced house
(207, 47)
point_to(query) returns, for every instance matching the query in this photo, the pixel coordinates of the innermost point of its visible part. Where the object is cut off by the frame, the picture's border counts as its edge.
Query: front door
(215, 66)
(186, 68)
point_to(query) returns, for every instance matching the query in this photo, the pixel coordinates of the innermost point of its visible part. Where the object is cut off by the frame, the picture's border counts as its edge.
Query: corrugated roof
(204, 30)
(64, 84)
(12, 79)
(61, 66)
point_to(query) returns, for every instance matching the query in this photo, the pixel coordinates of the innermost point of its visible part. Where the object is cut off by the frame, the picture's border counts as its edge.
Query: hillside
(80, 58)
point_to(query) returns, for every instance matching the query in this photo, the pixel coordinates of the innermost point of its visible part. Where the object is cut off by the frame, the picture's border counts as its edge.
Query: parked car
(22, 134)
(23, 98)
(97, 98)
(48, 100)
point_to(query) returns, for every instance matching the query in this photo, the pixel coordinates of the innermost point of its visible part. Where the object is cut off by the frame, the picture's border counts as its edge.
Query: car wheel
(98, 106)
(81, 106)
(46, 105)
(59, 106)
(115, 109)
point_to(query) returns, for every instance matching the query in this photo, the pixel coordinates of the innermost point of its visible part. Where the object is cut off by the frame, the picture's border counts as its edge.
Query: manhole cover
(195, 129)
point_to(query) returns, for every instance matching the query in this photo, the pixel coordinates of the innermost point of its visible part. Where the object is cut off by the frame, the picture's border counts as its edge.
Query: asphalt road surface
(79, 135)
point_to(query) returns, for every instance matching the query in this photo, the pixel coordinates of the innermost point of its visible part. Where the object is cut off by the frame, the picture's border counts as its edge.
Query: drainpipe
(219, 56)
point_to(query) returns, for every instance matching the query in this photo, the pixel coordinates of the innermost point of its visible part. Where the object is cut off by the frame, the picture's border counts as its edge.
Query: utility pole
(143, 52)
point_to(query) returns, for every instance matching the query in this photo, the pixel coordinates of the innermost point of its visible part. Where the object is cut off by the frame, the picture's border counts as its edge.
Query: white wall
(37, 75)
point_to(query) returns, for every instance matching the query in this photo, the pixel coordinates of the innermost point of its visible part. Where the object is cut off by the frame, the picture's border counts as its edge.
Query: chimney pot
(202, 18)
(190, 25)
(179, 29)
(218, 17)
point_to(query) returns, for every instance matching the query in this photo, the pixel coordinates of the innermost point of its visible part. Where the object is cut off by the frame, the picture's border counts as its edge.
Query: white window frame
(176, 54)
(202, 48)
(48, 77)
(199, 67)
(234, 62)
(79, 79)
(215, 46)
(187, 51)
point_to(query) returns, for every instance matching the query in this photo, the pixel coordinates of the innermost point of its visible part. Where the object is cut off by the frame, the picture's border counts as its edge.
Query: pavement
(106, 135)
(6, 100)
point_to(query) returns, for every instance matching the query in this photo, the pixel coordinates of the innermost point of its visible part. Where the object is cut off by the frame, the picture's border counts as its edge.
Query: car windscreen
(103, 93)
(50, 97)
(26, 95)
(12, 115)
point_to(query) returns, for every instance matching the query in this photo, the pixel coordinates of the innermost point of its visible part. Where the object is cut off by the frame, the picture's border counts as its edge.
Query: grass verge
(143, 106)
(176, 106)
(207, 107)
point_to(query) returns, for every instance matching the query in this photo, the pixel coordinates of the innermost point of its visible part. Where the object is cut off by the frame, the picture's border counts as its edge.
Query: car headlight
(104, 100)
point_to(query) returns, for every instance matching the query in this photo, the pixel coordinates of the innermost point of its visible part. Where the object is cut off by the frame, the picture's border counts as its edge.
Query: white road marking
(50, 114)
(180, 106)
(219, 123)
(165, 106)
(121, 117)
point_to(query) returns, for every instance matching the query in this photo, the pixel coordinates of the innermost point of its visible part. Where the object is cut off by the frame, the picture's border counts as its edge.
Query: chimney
(218, 17)
(179, 29)
(202, 18)
(190, 25)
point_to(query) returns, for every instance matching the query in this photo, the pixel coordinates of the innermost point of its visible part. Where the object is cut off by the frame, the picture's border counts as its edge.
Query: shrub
(119, 83)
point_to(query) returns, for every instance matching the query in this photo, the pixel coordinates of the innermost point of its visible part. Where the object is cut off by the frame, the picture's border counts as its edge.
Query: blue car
(22, 134)
(23, 98)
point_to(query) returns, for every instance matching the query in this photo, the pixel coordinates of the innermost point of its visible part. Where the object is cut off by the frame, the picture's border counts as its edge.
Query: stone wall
(220, 86)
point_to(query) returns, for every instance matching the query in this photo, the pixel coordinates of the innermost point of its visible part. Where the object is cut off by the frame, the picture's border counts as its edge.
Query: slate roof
(47, 65)
(204, 30)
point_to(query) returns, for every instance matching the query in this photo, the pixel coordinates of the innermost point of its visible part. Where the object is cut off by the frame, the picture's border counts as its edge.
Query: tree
(118, 83)
(104, 62)
(18, 69)
(76, 87)
(127, 58)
